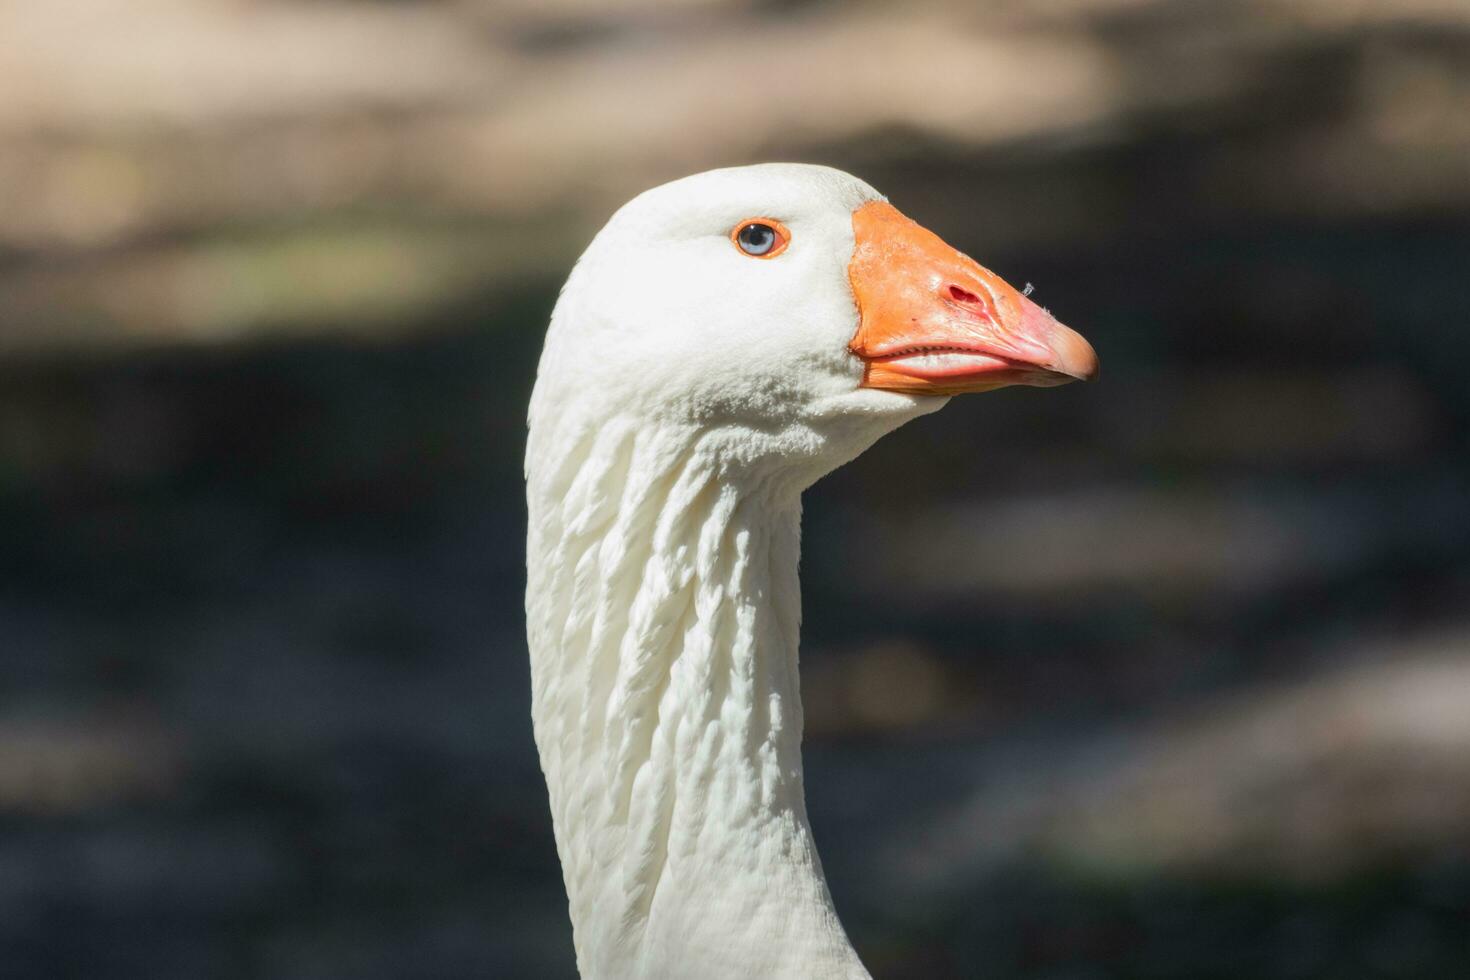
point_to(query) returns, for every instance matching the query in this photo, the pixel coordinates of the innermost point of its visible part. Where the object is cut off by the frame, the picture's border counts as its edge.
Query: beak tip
(1076, 358)
(1071, 354)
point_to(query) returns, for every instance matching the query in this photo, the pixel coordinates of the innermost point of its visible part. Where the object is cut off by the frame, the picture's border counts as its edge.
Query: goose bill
(934, 321)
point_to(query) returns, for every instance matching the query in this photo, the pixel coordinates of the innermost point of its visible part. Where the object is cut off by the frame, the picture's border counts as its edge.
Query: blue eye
(762, 238)
(757, 239)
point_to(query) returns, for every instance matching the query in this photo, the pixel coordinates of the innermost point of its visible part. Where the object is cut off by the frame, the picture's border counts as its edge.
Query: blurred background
(273, 278)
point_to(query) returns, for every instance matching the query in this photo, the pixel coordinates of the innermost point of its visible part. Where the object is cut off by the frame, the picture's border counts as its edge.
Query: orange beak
(936, 322)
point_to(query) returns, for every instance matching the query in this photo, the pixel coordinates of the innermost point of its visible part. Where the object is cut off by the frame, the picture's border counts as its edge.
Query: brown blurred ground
(1164, 676)
(206, 169)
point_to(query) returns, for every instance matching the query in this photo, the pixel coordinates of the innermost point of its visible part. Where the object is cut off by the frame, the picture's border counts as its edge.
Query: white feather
(686, 396)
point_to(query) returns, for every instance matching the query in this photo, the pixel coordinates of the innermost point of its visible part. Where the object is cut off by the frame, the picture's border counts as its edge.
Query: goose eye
(757, 239)
(762, 238)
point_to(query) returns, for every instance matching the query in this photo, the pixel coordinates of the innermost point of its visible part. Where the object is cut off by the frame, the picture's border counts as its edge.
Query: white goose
(724, 341)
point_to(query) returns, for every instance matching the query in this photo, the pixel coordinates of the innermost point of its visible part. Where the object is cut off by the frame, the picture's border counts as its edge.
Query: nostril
(963, 296)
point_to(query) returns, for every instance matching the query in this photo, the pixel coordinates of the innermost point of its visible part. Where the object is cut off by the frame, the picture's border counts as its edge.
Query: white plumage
(688, 393)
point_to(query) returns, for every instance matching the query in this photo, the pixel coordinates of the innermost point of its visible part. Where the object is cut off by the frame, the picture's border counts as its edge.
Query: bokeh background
(1166, 676)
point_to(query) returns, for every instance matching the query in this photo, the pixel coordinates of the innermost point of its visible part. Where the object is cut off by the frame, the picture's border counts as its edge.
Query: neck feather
(663, 614)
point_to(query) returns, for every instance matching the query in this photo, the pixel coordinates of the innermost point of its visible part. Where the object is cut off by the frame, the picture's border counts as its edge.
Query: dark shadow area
(264, 608)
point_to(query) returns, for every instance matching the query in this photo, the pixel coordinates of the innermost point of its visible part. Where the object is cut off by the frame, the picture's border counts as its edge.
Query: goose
(724, 341)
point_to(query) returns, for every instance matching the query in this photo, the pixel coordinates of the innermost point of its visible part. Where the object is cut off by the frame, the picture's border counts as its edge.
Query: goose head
(792, 301)
(724, 341)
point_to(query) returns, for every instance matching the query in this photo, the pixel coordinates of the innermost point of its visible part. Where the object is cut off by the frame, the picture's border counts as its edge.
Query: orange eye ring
(760, 238)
